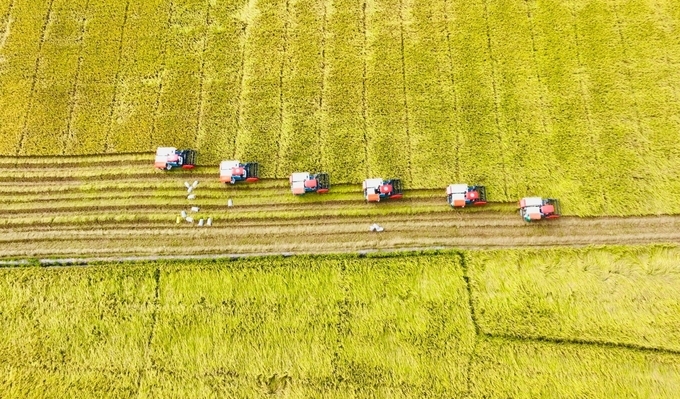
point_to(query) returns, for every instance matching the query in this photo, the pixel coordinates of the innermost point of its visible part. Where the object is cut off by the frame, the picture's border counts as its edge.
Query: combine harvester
(377, 189)
(537, 208)
(303, 182)
(460, 195)
(170, 157)
(233, 171)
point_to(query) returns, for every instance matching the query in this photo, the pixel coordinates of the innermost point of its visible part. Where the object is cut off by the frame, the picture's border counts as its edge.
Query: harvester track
(129, 210)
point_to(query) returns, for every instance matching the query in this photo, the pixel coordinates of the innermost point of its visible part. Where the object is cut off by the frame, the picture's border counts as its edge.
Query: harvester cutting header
(233, 171)
(303, 182)
(170, 157)
(377, 189)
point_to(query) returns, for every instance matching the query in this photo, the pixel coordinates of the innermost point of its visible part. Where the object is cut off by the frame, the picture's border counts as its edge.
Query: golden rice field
(597, 323)
(574, 99)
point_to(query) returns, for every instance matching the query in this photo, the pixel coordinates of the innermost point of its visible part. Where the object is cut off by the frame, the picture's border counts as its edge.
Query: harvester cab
(170, 157)
(460, 195)
(377, 189)
(233, 171)
(537, 208)
(303, 182)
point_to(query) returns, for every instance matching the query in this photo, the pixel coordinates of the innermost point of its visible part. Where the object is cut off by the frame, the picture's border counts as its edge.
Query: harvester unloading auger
(304, 182)
(537, 208)
(379, 189)
(233, 171)
(461, 195)
(170, 157)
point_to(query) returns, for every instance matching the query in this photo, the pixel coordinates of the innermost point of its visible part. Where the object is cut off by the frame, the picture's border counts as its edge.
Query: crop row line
(73, 99)
(162, 73)
(403, 86)
(496, 101)
(34, 79)
(284, 52)
(584, 97)
(242, 82)
(200, 110)
(449, 53)
(7, 22)
(322, 83)
(627, 71)
(539, 77)
(583, 342)
(116, 80)
(364, 88)
(152, 330)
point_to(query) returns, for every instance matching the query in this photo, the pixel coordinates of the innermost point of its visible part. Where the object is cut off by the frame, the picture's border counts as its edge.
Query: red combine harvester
(377, 189)
(233, 171)
(170, 157)
(303, 182)
(537, 208)
(460, 195)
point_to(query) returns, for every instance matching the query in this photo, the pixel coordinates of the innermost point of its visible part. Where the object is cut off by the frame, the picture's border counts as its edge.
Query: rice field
(413, 325)
(571, 99)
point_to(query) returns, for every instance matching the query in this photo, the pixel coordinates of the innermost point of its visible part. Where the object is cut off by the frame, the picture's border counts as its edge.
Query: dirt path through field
(84, 212)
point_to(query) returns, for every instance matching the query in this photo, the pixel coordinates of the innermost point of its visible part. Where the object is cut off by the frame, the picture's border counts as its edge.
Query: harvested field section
(626, 296)
(55, 206)
(526, 369)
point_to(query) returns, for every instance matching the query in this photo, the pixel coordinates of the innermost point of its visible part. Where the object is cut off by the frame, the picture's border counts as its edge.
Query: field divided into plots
(596, 323)
(572, 99)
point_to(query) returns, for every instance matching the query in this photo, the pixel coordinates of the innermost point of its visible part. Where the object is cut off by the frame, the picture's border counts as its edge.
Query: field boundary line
(494, 85)
(73, 100)
(404, 94)
(31, 94)
(589, 118)
(242, 82)
(148, 359)
(161, 75)
(583, 342)
(284, 54)
(364, 89)
(200, 110)
(116, 79)
(449, 53)
(324, 75)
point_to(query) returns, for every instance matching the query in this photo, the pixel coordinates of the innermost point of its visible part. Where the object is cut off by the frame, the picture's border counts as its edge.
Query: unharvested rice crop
(572, 99)
(335, 326)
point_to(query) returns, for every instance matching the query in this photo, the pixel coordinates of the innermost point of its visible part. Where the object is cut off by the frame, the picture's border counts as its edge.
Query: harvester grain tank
(170, 157)
(304, 182)
(537, 208)
(233, 171)
(461, 195)
(378, 189)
